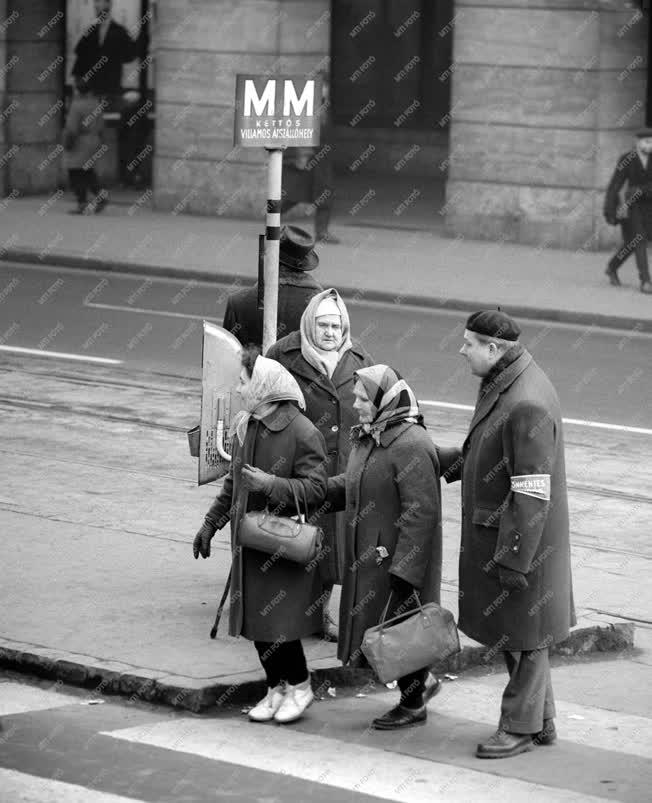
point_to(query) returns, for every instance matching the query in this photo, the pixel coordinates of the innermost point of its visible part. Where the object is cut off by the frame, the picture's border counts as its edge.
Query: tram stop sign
(277, 111)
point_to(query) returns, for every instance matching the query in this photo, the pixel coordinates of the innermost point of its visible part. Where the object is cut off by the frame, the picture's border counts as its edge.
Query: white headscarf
(270, 382)
(331, 304)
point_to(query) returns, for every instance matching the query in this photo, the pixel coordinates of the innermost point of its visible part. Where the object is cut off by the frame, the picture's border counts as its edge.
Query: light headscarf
(323, 361)
(270, 382)
(393, 401)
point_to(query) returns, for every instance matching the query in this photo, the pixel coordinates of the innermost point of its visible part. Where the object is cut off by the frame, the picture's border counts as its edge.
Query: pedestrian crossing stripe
(19, 786)
(17, 698)
(360, 768)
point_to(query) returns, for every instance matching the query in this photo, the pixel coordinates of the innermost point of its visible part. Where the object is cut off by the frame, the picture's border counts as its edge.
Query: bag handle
(414, 593)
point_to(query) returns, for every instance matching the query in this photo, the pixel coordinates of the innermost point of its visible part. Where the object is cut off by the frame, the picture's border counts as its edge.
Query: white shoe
(297, 699)
(265, 710)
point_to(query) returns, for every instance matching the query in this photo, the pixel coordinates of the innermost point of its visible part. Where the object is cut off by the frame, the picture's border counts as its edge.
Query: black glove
(511, 580)
(202, 543)
(400, 586)
(254, 479)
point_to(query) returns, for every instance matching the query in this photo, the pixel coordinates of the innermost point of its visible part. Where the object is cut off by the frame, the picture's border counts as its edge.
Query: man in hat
(514, 573)
(295, 289)
(634, 213)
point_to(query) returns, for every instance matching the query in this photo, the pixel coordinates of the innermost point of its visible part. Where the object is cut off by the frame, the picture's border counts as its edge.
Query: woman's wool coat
(393, 501)
(273, 599)
(329, 405)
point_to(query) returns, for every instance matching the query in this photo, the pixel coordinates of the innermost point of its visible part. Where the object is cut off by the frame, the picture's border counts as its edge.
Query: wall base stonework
(544, 100)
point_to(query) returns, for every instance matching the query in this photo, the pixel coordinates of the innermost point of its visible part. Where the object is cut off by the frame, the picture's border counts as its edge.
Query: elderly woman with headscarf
(322, 357)
(391, 494)
(277, 453)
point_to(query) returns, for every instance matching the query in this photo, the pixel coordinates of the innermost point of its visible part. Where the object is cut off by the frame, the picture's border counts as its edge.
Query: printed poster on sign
(277, 111)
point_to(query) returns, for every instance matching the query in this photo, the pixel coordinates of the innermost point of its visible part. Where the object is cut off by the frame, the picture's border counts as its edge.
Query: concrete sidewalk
(396, 266)
(100, 504)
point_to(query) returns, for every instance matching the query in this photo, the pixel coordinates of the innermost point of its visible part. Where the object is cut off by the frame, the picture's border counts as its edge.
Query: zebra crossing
(331, 751)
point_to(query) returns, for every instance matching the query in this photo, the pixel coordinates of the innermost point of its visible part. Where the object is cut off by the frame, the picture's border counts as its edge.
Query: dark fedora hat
(644, 133)
(296, 249)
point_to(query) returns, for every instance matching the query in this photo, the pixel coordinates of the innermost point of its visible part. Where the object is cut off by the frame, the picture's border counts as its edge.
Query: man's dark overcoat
(329, 405)
(392, 498)
(516, 430)
(636, 179)
(102, 63)
(243, 318)
(273, 599)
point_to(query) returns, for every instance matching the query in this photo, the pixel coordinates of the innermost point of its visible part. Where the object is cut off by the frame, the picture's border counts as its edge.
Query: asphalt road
(155, 324)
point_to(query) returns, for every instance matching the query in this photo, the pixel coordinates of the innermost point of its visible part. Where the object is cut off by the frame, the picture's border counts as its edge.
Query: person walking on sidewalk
(83, 144)
(391, 495)
(514, 570)
(297, 258)
(323, 358)
(633, 173)
(277, 454)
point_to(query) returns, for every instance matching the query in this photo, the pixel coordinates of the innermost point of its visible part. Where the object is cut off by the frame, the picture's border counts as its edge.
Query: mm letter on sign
(280, 111)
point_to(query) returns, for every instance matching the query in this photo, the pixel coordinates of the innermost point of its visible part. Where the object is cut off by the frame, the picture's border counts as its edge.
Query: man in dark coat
(103, 49)
(295, 289)
(515, 574)
(634, 214)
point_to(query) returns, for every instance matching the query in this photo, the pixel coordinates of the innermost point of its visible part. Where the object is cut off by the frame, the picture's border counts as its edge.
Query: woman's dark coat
(329, 405)
(516, 430)
(392, 498)
(273, 599)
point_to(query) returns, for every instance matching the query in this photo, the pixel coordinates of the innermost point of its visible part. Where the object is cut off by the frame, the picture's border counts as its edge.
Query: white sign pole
(272, 237)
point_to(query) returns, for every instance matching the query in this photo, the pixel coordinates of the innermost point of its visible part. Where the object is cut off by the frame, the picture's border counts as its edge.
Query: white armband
(537, 485)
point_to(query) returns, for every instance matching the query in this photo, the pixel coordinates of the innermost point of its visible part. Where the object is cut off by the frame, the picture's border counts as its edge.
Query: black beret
(644, 133)
(493, 323)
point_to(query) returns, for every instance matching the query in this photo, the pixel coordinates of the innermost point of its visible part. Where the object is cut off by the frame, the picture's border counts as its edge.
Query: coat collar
(390, 435)
(291, 346)
(498, 385)
(279, 418)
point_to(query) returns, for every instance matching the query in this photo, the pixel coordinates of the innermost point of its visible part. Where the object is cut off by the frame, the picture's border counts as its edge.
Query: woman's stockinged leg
(412, 687)
(292, 662)
(268, 653)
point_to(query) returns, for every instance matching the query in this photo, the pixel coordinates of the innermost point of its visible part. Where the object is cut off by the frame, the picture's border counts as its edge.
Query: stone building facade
(523, 105)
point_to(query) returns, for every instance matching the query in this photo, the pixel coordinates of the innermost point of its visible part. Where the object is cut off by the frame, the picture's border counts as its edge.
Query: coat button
(335, 428)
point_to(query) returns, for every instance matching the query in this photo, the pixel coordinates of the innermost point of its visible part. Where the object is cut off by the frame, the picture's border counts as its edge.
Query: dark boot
(613, 276)
(400, 717)
(505, 745)
(546, 736)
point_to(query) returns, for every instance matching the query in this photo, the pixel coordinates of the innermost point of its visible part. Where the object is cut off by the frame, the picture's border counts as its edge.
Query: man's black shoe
(548, 735)
(505, 745)
(400, 717)
(613, 277)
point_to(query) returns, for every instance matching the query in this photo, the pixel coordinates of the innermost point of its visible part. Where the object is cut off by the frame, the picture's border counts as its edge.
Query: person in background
(633, 173)
(102, 51)
(82, 143)
(515, 572)
(296, 287)
(323, 358)
(391, 495)
(274, 602)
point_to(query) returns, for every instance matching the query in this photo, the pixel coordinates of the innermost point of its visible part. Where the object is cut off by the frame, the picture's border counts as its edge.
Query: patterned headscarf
(392, 398)
(270, 382)
(323, 361)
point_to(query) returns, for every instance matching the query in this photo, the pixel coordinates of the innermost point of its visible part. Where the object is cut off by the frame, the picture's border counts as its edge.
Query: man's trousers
(527, 699)
(634, 242)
